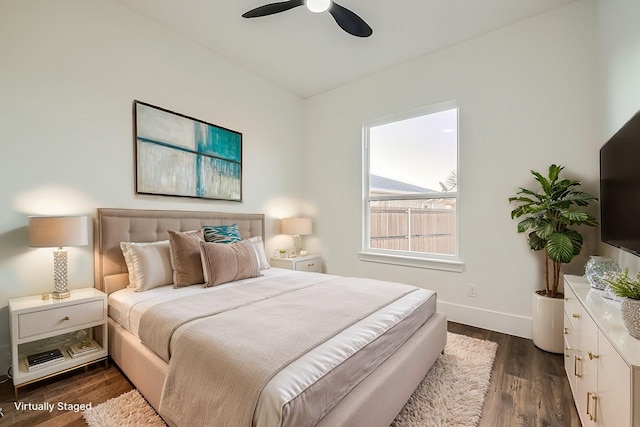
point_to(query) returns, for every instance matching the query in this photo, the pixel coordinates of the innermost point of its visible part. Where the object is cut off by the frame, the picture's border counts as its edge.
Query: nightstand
(302, 263)
(38, 325)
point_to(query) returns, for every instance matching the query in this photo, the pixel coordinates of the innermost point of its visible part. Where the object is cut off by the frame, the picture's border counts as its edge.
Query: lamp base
(297, 245)
(60, 295)
(61, 291)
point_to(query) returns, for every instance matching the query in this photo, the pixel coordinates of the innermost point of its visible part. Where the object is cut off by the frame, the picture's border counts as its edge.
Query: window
(411, 188)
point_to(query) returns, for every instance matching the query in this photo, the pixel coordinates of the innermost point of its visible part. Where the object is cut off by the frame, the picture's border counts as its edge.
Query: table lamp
(56, 232)
(296, 227)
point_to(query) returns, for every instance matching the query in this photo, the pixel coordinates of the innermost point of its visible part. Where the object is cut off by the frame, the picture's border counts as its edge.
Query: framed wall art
(177, 155)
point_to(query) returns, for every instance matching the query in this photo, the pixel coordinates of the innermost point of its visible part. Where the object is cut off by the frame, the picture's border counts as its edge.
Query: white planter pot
(547, 319)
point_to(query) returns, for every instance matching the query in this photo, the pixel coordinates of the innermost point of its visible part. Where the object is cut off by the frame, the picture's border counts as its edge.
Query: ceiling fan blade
(270, 9)
(349, 21)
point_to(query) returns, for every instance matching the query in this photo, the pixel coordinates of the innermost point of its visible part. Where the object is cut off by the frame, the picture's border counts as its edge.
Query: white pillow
(149, 264)
(258, 248)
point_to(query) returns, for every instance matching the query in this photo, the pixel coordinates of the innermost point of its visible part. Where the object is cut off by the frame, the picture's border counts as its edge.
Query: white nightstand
(302, 263)
(38, 325)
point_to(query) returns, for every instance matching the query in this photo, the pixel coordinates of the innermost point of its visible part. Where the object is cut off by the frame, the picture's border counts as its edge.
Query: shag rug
(452, 393)
(127, 410)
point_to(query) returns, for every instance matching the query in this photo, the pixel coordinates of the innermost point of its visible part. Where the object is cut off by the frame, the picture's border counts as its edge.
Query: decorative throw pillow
(224, 263)
(222, 233)
(185, 257)
(149, 264)
(258, 248)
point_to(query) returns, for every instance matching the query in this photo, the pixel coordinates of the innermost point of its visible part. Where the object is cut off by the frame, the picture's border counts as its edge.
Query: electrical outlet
(472, 291)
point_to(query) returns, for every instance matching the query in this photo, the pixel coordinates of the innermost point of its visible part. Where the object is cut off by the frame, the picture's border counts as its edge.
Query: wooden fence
(432, 230)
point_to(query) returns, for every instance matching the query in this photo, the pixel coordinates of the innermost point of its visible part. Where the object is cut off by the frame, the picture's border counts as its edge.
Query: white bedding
(127, 306)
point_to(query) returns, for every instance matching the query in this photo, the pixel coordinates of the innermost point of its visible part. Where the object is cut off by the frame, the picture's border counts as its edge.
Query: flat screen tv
(620, 188)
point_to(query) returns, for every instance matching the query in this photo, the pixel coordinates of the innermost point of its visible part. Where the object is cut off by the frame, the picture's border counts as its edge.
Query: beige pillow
(222, 263)
(185, 257)
(149, 264)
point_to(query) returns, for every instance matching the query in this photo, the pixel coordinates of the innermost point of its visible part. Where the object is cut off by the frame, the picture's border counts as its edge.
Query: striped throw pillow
(222, 233)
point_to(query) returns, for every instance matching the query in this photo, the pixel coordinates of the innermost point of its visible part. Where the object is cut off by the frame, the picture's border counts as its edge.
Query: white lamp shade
(57, 231)
(296, 226)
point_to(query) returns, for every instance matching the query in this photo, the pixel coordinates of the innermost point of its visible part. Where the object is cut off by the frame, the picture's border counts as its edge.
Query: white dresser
(602, 360)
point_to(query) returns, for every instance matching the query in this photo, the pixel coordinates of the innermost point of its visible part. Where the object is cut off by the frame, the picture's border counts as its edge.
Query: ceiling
(307, 53)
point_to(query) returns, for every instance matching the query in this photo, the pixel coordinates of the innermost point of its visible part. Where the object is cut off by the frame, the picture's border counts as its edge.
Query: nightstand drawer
(309, 263)
(314, 265)
(40, 322)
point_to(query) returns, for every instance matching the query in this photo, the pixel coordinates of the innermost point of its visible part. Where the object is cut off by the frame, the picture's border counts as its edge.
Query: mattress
(349, 356)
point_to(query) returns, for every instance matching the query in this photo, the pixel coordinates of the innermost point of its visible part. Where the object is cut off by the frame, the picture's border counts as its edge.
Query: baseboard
(506, 323)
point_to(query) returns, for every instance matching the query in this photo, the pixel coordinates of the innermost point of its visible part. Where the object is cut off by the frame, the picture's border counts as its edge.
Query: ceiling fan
(346, 19)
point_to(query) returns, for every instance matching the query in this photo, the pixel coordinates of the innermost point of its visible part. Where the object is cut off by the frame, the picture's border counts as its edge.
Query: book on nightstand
(82, 348)
(44, 359)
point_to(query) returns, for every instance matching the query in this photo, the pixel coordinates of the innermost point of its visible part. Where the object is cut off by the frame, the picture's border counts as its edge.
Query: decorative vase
(599, 268)
(630, 311)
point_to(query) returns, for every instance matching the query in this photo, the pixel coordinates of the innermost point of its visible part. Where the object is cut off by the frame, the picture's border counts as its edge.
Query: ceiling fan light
(318, 6)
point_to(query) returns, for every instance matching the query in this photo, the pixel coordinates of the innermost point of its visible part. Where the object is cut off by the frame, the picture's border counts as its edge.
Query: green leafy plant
(624, 286)
(550, 213)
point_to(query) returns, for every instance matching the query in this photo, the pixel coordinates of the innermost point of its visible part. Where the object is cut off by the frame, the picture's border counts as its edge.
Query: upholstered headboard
(113, 226)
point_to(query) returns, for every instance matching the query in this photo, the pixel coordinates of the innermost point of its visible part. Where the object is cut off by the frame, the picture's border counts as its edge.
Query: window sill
(453, 264)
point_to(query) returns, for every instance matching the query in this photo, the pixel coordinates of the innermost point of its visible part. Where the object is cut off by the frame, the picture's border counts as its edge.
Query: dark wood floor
(528, 388)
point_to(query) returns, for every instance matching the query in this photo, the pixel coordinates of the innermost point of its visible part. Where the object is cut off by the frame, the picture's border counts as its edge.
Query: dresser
(602, 360)
(40, 325)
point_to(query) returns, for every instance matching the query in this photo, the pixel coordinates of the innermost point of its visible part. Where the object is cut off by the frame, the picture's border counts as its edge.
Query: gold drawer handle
(577, 316)
(575, 366)
(65, 318)
(566, 331)
(590, 396)
(593, 356)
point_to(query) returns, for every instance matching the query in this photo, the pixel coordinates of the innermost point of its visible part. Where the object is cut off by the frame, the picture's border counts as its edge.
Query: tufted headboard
(113, 226)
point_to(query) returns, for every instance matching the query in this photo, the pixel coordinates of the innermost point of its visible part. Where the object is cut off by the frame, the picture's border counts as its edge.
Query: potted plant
(628, 289)
(550, 214)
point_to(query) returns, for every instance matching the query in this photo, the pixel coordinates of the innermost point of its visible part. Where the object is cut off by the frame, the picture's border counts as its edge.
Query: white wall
(70, 70)
(619, 60)
(526, 100)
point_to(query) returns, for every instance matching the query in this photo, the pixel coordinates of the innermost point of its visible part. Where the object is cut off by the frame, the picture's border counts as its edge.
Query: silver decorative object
(599, 268)
(630, 311)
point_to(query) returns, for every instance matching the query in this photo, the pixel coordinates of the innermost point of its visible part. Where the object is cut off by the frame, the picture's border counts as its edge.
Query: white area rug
(127, 410)
(452, 394)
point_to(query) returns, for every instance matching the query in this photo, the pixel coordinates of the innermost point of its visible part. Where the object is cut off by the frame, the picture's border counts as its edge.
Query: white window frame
(412, 259)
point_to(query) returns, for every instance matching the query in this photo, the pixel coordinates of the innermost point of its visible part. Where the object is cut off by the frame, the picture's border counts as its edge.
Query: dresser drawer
(571, 307)
(40, 322)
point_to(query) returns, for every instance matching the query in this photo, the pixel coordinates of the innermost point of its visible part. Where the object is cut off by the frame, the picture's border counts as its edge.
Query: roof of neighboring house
(380, 183)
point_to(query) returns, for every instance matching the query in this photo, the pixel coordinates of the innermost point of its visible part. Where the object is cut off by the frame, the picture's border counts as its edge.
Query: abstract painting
(177, 155)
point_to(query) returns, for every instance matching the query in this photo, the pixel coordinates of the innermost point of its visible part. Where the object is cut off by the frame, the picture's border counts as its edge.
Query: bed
(353, 391)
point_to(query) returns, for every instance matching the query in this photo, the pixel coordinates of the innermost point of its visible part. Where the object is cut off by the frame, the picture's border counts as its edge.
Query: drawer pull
(592, 396)
(593, 356)
(566, 331)
(65, 318)
(574, 315)
(575, 366)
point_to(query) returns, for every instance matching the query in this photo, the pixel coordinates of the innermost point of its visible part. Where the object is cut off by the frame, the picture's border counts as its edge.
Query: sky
(420, 151)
